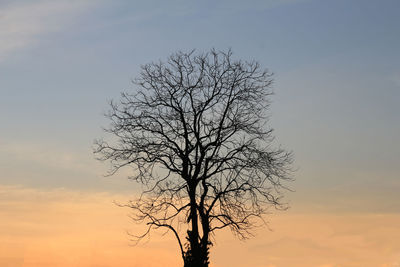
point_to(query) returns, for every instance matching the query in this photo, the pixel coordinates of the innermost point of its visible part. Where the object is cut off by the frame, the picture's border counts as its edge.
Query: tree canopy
(195, 133)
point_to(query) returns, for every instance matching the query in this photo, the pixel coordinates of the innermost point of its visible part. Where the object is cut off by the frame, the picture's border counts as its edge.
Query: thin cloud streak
(23, 23)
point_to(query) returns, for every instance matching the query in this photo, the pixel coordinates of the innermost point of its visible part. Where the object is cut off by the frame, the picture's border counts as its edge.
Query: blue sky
(337, 86)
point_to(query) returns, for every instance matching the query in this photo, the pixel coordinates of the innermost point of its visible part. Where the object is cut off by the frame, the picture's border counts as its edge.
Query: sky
(336, 106)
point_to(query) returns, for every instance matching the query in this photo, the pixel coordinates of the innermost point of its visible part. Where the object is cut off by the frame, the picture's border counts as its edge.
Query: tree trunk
(196, 254)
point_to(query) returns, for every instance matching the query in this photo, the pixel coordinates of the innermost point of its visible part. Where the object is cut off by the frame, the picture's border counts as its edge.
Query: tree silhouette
(195, 134)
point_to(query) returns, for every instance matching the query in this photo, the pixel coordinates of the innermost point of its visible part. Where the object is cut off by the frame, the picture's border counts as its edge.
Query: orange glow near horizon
(63, 228)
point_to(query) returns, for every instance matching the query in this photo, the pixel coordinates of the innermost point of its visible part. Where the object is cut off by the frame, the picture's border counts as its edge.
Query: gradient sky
(336, 105)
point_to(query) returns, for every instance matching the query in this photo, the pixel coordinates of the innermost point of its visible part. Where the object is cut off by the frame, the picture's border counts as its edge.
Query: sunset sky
(336, 66)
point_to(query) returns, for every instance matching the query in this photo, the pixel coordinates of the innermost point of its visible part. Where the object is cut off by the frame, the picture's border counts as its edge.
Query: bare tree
(195, 133)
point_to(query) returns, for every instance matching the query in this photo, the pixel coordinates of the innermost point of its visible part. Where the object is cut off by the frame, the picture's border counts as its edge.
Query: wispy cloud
(23, 22)
(48, 157)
